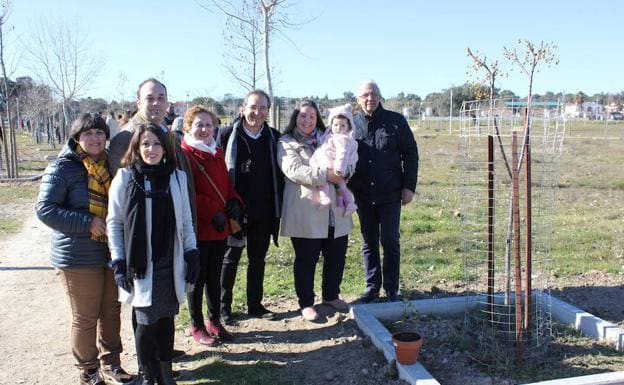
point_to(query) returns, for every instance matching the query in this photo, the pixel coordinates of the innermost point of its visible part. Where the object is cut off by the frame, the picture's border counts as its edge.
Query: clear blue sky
(405, 45)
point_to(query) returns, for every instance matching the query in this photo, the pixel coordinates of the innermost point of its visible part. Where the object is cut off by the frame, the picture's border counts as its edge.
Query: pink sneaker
(216, 329)
(200, 335)
(338, 304)
(309, 313)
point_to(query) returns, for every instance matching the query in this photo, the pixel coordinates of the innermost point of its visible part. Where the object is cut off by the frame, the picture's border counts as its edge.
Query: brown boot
(91, 377)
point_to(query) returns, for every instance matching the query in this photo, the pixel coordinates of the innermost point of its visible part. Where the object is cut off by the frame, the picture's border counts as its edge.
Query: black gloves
(233, 208)
(219, 221)
(119, 273)
(191, 257)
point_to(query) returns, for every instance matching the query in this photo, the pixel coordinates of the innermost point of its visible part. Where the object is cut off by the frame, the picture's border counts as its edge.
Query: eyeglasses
(371, 95)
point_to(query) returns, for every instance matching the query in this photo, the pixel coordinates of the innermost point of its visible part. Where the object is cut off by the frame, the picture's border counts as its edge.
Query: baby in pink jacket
(338, 151)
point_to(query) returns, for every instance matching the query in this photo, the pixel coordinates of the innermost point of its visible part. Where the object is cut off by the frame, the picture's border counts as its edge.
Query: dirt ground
(34, 325)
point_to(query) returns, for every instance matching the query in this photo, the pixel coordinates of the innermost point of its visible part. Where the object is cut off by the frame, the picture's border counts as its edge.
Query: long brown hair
(134, 154)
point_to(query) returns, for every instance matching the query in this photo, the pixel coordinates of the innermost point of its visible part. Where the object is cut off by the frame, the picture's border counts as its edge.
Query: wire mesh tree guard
(509, 171)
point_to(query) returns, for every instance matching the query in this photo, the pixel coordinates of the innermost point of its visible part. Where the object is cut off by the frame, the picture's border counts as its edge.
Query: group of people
(164, 214)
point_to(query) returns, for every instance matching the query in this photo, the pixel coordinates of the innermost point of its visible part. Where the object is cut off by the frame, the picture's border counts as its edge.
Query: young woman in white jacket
(152, 245)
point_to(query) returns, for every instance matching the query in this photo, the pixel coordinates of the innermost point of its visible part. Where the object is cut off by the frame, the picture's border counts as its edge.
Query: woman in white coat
(313, 229)
(153, 247)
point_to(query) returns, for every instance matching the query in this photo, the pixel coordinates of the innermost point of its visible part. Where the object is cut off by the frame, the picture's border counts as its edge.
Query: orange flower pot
(407, 346)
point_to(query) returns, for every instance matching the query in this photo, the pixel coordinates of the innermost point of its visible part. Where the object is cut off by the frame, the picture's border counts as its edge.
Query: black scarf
(136, 239)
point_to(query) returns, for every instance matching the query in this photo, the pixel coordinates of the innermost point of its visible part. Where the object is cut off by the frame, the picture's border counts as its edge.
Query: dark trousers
(307, 253)
(153, 341)
(209, 280)
(380, 223)
(258, 238)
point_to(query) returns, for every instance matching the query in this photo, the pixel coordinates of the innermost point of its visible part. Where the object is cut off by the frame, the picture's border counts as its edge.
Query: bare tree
(528, 62)
(61, 56)
(491, 71)
(273, 19)
(242, 46)
(40, 107)
(9, 144)
(122, 81)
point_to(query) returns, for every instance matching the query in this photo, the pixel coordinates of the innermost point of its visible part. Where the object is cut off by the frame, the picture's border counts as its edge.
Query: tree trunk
(64, 121)
(5, 148)
(267, 68)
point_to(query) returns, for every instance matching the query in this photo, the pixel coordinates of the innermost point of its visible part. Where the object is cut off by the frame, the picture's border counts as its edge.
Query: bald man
(384, 180)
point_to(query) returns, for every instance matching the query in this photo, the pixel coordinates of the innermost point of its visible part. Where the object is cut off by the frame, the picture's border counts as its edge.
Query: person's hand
(233, 208)
(119, 274)
(406, 196)
(332, 177)
(191, 257)
(98, 226)
(219, 221)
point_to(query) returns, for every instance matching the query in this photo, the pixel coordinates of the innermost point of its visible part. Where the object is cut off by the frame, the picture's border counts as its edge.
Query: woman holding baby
(314, 228)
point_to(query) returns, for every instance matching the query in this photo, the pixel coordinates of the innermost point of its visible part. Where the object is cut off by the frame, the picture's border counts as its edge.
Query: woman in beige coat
(313, 229)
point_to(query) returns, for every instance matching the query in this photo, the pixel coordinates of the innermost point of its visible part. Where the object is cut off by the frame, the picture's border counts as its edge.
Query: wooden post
(515, 183)
(490, 240)
(527, 231)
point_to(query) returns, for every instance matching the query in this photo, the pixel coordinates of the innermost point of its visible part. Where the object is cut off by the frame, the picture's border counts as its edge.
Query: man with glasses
(384, 179)
(250, 147)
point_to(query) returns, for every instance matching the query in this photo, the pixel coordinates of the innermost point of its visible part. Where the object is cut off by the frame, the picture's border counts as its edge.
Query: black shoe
(392, 296)
(227, 318)
(177, 353)
(91, 377)
(116, 376)
(165, 376)
(145, 379)
(369, 296)
(261, 312)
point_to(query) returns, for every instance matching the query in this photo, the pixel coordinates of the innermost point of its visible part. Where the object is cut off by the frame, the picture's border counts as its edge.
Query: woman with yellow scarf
(73, 201)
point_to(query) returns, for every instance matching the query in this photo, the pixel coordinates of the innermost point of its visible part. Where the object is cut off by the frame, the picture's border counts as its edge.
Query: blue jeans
(380, 223)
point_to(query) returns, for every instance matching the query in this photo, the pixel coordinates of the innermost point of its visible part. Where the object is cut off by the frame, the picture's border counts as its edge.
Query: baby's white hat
(346, 111)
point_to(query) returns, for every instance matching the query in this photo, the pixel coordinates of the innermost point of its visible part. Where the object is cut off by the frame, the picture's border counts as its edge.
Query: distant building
(179, 108)
(586, 110)
(546, 108)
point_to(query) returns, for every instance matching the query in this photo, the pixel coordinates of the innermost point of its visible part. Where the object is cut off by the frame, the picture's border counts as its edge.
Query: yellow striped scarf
(99, 183)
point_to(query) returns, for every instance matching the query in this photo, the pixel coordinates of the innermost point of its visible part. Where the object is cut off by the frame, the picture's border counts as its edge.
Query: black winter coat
(387, 158)
(241, 180)
(63, 205)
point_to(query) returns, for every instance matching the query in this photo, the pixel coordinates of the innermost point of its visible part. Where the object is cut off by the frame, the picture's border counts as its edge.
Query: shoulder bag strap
(201, 168)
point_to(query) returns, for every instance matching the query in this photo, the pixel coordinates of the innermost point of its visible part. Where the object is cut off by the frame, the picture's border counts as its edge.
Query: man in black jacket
(250, 147)
(384, 179)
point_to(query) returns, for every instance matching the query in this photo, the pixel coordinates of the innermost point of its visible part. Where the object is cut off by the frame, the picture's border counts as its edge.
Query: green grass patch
(215, 370)
(10, 226)
(15, 198)
(19, 193)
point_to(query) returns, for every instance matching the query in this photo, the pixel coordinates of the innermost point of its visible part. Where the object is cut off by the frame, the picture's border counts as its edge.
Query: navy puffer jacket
(63, 205)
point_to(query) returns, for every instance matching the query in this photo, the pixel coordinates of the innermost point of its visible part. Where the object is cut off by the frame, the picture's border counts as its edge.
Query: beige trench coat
(301, 215)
